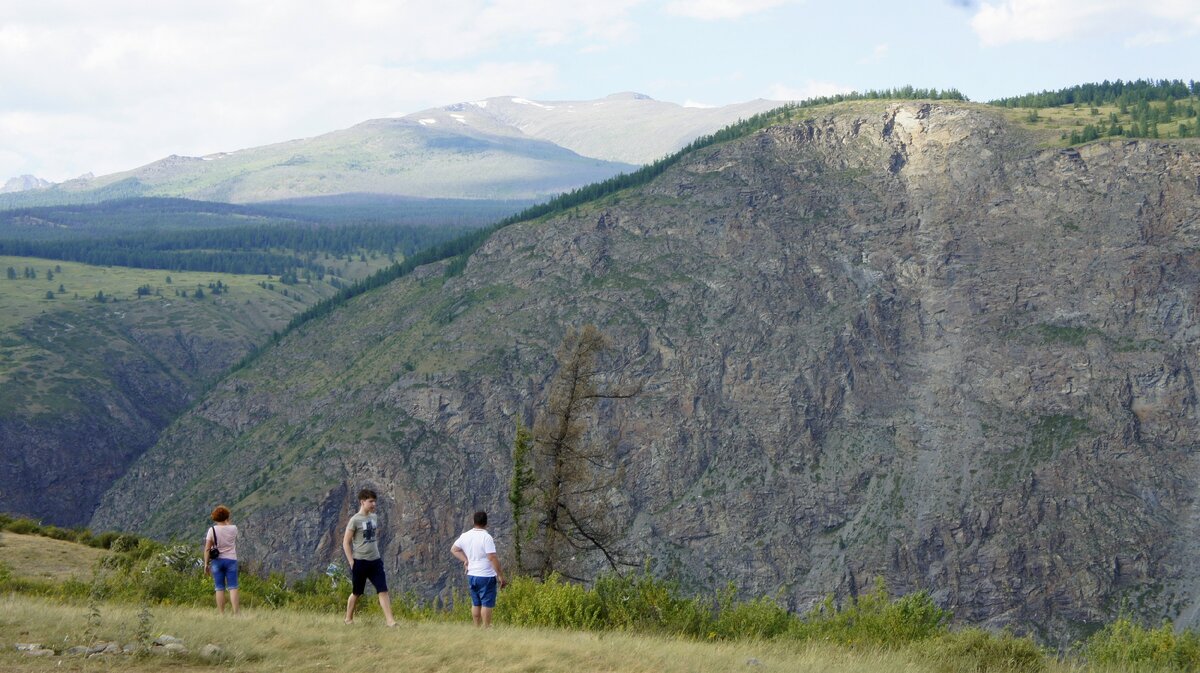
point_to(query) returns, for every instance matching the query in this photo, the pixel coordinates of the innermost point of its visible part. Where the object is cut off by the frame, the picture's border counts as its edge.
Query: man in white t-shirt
(477, 551)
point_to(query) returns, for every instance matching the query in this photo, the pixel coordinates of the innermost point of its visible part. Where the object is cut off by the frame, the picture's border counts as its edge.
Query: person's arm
(347, 539)
(460, 555)
(208, 544)
(496, 566)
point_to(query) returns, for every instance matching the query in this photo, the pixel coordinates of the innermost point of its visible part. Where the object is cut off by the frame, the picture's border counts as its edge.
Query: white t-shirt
(477, 543)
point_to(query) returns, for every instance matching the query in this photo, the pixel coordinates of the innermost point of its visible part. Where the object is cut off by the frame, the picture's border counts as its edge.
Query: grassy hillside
(39, 558)
(1054, 125)
(24, 298)
(288, 641)
(1155, 109)
(38, 315)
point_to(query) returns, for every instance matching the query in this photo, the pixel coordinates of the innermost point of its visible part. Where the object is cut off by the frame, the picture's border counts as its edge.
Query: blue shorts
(224, 572)
(483, 591)
(364, 570)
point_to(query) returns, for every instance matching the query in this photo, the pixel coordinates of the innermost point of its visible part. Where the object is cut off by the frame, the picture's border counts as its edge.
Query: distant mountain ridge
(625, 127)
(23, 183)
(498, 148)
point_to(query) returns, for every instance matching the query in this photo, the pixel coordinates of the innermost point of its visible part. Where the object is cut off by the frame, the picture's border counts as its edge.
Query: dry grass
(299, 642)
(43, 558)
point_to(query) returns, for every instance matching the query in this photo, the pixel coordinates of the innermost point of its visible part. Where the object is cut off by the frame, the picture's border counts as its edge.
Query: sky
(101, 87)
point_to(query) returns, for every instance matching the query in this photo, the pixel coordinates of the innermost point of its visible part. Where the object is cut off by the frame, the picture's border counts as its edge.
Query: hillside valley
(86, 385)
(876, 339)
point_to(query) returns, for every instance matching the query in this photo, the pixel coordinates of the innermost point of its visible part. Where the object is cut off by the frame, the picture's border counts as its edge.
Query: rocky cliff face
(892, 340)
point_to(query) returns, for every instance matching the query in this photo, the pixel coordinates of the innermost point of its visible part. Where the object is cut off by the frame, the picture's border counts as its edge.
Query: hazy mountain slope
(894, 339)
(628, 127)
(392, 156)
(501, 148)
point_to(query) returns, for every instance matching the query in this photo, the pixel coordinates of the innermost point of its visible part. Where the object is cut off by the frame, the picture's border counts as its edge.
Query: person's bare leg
(486, 613)
(385, 602)
(221, 602)
(476, 616)
(350, 603)
(233, 600)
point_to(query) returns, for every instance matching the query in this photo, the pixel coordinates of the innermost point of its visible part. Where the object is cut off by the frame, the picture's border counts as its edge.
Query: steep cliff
(891, 339)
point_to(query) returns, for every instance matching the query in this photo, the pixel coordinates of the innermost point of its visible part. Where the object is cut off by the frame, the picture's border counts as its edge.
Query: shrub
(644, 603)
(983, 652)
(553, 603)
(105, 540)
(124, 543)
(874, 619)
(24, 527)
(1125, 644)
(761, 618)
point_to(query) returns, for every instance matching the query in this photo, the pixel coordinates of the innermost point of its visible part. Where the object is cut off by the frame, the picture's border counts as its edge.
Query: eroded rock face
(897, 341)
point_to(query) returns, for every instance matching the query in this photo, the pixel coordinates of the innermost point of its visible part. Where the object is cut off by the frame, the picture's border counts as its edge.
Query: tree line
(247, 249)
(1106, 93)
(155, 214)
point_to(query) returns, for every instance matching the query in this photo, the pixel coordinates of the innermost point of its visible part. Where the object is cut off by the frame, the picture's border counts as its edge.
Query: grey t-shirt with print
(366, 536)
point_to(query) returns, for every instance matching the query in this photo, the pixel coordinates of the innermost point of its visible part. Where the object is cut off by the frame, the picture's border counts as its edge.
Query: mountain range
(879, 339)
(500, 149)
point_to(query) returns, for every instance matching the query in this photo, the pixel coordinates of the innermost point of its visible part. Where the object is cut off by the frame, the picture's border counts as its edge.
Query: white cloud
(716, 10)
(120, 83)
(1145, 21)
(810, 89)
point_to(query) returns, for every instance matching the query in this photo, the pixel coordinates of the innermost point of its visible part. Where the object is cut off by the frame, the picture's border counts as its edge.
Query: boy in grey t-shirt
(361, 546)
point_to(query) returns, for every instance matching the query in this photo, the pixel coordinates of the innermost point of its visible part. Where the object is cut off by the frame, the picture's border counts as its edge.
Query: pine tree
(520, 495)
(571, 478)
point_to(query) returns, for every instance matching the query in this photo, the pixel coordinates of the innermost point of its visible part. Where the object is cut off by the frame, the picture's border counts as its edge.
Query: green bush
(1125, 644)
(105, 540)
(23, 527)
(646, 604)
(982, 652)
(760, 618)
(553, 603)
(874, 619)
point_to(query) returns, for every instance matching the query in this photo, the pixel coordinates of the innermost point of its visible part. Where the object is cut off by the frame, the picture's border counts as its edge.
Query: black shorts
(368, 570)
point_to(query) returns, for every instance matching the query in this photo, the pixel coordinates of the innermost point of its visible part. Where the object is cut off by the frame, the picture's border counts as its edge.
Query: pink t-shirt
(226, 540)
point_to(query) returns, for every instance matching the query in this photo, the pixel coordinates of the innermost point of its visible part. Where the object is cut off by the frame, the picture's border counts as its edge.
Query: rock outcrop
(892, 340)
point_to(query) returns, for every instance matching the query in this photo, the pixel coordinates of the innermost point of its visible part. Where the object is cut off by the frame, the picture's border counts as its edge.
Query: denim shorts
(224, 572)
(483, 591)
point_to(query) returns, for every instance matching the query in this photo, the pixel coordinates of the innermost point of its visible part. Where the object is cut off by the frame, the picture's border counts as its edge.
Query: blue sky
(107, 86)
